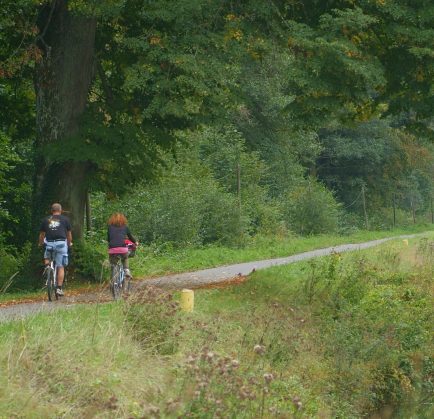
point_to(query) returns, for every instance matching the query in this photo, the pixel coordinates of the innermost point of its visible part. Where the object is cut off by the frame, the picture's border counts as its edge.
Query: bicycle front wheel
(49, 282)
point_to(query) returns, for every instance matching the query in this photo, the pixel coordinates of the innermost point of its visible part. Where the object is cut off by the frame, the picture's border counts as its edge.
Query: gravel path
(191, 279)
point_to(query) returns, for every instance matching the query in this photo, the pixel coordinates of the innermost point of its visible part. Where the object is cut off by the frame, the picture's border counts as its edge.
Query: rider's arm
(41, 238)
(131, 237)
(69, 237)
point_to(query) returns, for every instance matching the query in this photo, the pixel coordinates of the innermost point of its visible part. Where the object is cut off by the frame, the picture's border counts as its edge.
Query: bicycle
(119, 282)
(50, 274)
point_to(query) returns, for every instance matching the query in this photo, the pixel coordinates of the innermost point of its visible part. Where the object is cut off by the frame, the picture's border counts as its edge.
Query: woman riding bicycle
(117, 233)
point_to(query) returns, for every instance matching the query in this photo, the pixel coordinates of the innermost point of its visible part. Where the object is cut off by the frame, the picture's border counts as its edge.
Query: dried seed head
(235, 363)
(259, 349)
(297, 402)
(268, 377)
(154, 410)
(191, 359)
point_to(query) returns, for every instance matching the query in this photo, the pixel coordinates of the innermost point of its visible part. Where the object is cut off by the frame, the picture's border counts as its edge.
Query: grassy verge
(338, 337)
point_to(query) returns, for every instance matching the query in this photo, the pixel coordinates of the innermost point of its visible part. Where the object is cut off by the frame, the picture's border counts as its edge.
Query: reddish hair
(117, 219)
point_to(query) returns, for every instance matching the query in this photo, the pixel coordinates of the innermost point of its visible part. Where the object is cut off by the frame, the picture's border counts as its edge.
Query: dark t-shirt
(55, 227)
(116, 236)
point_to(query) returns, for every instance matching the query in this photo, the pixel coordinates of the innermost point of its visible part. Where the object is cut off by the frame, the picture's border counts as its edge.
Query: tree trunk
(62, 82)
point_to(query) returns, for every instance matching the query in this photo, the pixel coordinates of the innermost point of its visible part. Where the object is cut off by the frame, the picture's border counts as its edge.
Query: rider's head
(56, 208)
(117, 219)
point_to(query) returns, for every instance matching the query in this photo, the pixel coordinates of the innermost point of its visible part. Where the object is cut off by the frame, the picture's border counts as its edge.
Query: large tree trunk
(62, 82)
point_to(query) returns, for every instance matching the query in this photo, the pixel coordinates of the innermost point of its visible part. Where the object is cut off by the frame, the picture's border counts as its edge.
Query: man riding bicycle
(55, 233)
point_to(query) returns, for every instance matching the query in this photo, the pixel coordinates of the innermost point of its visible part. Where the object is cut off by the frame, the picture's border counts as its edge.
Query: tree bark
(62, 81)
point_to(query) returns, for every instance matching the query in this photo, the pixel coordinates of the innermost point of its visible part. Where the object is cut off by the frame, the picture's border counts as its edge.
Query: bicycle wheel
(49, 282)
(115, 282)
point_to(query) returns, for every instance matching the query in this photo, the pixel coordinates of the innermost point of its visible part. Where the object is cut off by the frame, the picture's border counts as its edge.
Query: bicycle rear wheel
(49, 281)
(115, 282)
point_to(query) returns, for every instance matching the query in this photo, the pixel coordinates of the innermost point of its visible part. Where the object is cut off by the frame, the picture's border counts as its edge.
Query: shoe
(59, 292)
(128, 273)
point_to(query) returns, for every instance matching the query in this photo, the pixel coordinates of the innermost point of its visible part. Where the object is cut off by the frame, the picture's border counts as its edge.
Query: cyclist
(55, 232)
(117, 234)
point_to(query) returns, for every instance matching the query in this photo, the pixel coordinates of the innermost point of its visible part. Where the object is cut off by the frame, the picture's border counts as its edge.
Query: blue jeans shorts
(60, 252)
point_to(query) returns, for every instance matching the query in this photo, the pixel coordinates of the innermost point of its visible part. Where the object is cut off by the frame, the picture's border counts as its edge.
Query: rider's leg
(61, 259)
(60, 276)
(113, 260)
(126, 265)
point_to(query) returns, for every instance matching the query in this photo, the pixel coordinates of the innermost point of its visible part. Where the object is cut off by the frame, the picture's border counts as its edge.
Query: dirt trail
(198, 279)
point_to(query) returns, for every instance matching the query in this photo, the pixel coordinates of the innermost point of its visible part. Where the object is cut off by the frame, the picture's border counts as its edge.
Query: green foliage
(9, 266)
(12, 264)
(392, 165)
(8, 159)
(89, 259)
(311, 209)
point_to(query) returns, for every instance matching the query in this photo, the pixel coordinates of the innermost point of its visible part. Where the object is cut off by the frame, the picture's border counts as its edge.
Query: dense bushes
(311, 209)
(213, 189)
(9, 266)
(11, 263)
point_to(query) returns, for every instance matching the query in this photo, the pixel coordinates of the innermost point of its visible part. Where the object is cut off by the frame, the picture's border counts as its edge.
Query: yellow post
(187, 300)
(405, 241)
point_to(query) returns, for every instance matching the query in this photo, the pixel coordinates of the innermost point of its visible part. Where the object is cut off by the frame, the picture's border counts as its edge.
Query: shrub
(184, 209)
(311, 209)
(11, 263)
(88, 257)
(9, 266)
